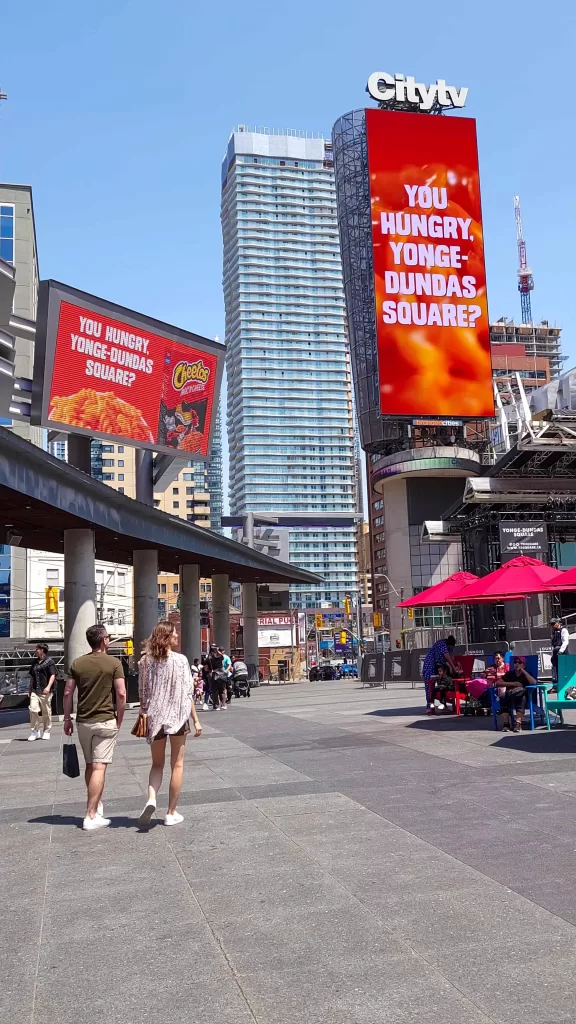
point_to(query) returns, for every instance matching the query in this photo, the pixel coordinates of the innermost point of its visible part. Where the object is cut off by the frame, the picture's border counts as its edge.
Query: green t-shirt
(94, 675)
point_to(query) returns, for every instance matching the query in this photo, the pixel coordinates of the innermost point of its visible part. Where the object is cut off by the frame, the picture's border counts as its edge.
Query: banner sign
(108, 372)
(429, 274)
(523, 539)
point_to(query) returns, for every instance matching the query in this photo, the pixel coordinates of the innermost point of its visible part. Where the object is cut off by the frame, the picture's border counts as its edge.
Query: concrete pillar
(250, 629)
(145, 565)
(397, 550)
(79, 592)
(190, 632)
(221, 610)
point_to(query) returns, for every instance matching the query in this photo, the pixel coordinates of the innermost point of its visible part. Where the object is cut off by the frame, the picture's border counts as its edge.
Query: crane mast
(525, 277)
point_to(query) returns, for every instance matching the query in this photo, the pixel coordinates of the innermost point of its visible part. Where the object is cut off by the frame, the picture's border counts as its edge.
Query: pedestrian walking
(42, 679)
(206, 682)
(99, 678)
(166, 691)
(218, 677)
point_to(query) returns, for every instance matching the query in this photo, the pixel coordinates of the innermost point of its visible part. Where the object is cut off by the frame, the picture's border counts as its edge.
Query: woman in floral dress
(166, 691)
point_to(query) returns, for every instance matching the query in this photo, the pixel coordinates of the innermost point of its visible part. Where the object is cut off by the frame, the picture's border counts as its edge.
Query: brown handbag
(140, 727)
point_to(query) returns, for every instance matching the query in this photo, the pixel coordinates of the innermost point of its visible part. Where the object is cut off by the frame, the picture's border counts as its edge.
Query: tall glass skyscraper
(290, 428)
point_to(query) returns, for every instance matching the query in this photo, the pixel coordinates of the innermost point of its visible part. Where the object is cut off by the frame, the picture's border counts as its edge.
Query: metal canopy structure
(41, 497)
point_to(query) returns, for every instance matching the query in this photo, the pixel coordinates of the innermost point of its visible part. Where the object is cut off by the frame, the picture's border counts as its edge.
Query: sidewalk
(343, 860)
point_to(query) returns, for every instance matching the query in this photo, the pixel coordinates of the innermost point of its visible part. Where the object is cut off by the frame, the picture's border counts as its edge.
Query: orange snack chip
(102, 412)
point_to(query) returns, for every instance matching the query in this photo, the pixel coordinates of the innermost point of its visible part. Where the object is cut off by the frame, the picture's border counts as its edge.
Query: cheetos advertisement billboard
(114, 374)
(429, 274)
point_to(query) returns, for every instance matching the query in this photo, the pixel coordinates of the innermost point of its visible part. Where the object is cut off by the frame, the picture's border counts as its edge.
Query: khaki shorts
(98, 740)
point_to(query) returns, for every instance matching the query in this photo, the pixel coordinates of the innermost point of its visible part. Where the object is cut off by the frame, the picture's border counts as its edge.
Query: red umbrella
(441, 593)
(516, 578)
(566, 581)
(513, 580)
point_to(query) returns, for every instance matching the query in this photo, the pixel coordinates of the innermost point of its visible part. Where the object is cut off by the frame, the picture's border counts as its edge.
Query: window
(189, 504)
(175, 588)
(175, 490)
(175, 504)
(107, 447)
(7, 233)
(107, 476)
(156, 503)
(121, 582)
(120, 490)
(121, 463)
(189, 490)
(121, 617)
(52, 577)
(107, 462)
(120, 476)
(120, 449)
(162, 588)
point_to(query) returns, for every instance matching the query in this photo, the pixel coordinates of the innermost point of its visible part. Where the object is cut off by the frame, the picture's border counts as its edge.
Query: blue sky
(119, 112)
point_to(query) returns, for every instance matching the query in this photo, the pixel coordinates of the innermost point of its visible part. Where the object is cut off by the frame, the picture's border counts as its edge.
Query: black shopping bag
(70, 765)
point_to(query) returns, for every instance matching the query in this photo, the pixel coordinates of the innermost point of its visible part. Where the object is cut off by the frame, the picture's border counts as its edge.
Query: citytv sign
(397, 91)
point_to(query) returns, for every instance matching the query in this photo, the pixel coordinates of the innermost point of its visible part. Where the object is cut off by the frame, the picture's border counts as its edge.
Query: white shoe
(147, 814)
(439, 706)
(34, 735)
(45, 735)
(91, 824)
(173, 819)
(205, 707)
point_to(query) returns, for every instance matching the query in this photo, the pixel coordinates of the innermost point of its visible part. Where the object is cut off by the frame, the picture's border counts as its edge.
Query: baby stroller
(240, 681)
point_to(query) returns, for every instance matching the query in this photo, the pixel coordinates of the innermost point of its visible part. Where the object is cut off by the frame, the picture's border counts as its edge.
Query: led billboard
(108, 372)
(429, 274)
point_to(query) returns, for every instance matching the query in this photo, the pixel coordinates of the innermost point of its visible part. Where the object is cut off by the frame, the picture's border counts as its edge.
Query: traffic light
(410, 613)
(319, 621)
(377, 619)
(347, 605)
(129, 648)
(52, 594)
(343, 637)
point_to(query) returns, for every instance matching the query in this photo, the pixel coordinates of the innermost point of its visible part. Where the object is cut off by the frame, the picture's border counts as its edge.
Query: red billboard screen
(111, 373)
(429, 274)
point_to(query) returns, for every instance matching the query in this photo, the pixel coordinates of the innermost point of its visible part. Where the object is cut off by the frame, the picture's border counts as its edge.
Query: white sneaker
(439, 706)
(173, 819)
(205, 707)
(147, 814)
(34, 735)
(91, 824)
(45, 735)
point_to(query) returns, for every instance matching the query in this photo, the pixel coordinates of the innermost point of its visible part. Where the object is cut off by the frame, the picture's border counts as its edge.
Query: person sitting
(477, 687)
(514, 697)
(443, 684)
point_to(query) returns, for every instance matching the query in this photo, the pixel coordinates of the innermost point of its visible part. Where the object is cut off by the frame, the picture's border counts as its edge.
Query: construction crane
(525, 278)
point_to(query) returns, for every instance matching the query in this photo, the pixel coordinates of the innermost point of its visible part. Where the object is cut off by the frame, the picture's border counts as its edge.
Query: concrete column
(221, 610)
(397, 550)
(191, 635)
(145, 596)
(250, 630)
(79, 592)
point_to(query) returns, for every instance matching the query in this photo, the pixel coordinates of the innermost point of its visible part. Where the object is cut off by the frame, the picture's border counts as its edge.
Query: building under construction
(539, 340)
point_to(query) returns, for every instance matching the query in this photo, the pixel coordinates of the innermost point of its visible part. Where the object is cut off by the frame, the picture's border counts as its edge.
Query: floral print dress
(166, 691)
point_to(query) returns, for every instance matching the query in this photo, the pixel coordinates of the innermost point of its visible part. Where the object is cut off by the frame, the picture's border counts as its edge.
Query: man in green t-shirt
(96, 676)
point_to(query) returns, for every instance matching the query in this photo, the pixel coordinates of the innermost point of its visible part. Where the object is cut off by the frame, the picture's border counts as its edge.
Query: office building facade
(290, 425)
(18, 247)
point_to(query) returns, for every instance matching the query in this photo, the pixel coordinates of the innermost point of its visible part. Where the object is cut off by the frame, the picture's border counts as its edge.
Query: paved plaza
(343, 860)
